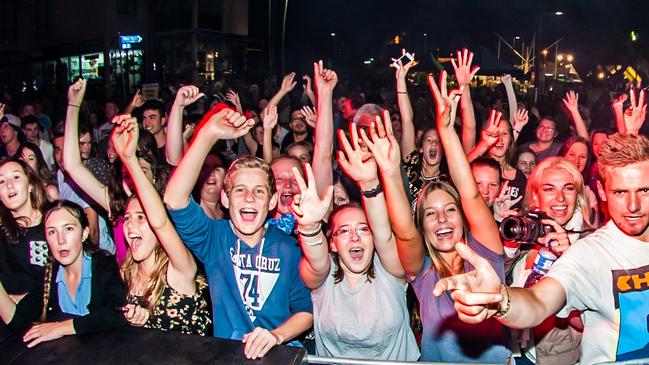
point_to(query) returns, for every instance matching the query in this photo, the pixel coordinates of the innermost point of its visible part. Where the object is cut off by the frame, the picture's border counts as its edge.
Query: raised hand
(402, 70)
(233, 97)
(638, 109)
(491, 133)
(571, 102)
(76, 92)
(463, 71)
(125, 135)
(325, 79)
(269, 117)
(357, 164)
(310, 115)
(446, 104)
(477, 292)
(506, 78)
(383, 145)
(618, 103)
(520, 120)
(307, 206)
(287, 83)
(226, 124)
(307, 83)
(187, 95)
(138, 100)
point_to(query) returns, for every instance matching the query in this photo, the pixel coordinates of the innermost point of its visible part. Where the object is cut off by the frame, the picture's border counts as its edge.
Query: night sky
(594, 31)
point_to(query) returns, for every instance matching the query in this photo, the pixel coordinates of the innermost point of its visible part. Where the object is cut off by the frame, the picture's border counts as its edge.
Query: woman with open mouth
(81, 289)
(358, 284)
(426, 245)
(164, 289)
(23, 250)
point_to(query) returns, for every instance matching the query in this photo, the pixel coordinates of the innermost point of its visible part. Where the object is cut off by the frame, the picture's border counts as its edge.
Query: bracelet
(76, 106)
(502, 311)
(372, 192)
(313, 233)
(401, 92)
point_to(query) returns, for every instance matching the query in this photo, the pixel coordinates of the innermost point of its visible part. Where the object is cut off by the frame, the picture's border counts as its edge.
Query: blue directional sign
(125, 41)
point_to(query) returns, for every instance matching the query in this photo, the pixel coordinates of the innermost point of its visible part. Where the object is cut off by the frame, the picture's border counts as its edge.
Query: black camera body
(524, 228)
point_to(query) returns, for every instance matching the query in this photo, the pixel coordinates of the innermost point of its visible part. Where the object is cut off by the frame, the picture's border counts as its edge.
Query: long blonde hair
(439, 263)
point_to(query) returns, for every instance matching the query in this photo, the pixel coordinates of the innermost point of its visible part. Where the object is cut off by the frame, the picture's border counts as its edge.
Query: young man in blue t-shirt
(257, 293)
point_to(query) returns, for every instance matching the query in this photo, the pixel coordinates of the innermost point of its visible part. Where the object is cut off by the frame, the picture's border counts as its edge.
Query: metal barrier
(320, 360)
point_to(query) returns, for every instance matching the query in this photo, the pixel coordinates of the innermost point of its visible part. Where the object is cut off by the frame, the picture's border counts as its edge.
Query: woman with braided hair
(82, 288)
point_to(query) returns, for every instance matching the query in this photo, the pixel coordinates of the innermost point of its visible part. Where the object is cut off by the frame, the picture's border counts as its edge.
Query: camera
(524, 228)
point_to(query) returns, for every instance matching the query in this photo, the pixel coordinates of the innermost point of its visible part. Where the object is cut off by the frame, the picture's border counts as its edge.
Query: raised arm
(511, 95)
(488, 137)
(618, 110)
(269, 120)
(408, 139)
(480, 218)
(633, 121)
(124, 138)
(137, 101)
(464, 73)
(226, 124)
(410, 246)
(571, 103)
(361, 167)
(174, 144)
(287, 86)
(71, 155)
(308, 91)
(325, 81)
(309, 211)
(478, 295)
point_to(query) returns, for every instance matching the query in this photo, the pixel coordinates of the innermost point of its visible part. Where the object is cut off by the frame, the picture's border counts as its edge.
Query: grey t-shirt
(369, 321)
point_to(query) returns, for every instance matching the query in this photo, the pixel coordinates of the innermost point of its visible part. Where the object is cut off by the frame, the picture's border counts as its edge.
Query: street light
(539, 80)
(332, 34)
(558, 13)
(569, 58)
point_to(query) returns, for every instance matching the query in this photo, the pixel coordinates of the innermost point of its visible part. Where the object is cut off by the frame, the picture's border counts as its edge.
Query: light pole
(540, 72)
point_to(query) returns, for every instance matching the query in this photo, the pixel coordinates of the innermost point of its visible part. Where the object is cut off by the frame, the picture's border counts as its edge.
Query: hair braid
(47, 283)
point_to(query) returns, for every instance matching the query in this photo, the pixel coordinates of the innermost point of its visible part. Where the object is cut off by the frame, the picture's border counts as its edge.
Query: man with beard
(299, 131)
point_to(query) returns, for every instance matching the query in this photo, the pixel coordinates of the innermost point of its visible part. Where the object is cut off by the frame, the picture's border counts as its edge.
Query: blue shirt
(250, 286)
(78, 306)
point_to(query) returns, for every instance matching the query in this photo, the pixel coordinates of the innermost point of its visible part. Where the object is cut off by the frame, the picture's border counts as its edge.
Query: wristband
(76, 106)
(313, 233)
(502, 311)
(372, 192)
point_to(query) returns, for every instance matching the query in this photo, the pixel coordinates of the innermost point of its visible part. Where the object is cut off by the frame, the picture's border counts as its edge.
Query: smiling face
(352, 240)
(65, 236)
(442, 221)
(297, 123)
(626, 192)
(152, 121)
(578, 155)
(431, 148)
(285, 183)
(556, 194)
(14, 188)
(499, 150)
(138, 233)
(546, 131)
(248, 200)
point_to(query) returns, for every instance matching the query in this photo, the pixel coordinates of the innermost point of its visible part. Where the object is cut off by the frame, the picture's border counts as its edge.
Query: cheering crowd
(462, 226)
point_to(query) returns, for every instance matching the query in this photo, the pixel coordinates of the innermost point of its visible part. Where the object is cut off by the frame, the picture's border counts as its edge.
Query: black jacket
(107, 293)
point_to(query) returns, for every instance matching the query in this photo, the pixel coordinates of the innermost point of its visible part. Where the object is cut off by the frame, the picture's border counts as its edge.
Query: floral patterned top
(181, 313)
